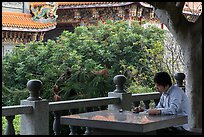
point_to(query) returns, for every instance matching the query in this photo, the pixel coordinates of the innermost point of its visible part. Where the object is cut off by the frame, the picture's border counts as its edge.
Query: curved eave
(35, 4)
(27, 29)
(146, 5)
(71, 5)
(102, 5)
(12, 21)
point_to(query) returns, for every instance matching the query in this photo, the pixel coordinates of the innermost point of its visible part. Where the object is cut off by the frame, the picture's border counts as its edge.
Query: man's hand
(154, 111)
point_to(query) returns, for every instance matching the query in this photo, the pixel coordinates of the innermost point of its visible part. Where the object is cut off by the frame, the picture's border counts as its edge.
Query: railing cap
(179, 76)
(119, 80)
(34, 87)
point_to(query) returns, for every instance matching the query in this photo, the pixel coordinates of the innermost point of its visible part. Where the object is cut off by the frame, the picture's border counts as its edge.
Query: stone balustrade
(34, 110)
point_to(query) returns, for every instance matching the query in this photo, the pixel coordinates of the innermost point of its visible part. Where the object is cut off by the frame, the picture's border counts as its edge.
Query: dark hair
(162, 78)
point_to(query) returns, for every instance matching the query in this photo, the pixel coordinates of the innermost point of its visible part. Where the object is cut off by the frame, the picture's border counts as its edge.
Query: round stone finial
(34, 87)
(179, 79)
(119, 80)
(179, 76)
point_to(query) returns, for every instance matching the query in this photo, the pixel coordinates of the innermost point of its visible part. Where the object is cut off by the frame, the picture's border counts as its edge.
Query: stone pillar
(37, 122)
(126, 98)
(179, 80)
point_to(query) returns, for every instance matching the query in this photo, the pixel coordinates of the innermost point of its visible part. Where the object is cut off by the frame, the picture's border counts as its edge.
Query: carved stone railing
(34, 110)
(10, 111)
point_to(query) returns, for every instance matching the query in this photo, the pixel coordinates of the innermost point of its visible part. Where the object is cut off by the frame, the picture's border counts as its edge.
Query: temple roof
(70, 3)
(23, 22)
(16, 21)
(193, 7)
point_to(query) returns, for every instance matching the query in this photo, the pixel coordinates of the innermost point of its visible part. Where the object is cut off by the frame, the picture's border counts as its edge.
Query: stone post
(126, 98)
(179, 80)
(37, 122)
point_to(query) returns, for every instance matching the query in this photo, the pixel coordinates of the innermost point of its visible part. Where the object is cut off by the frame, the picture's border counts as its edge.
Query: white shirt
(174, 101)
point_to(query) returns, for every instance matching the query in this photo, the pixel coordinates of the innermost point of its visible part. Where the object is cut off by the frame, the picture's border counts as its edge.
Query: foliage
(93, 55)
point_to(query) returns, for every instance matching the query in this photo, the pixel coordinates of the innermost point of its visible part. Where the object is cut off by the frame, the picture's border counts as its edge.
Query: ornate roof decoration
(23, 22)
(192, 10)
(44, 13)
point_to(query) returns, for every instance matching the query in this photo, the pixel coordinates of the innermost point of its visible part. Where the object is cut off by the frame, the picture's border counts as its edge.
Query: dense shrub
(83, 63)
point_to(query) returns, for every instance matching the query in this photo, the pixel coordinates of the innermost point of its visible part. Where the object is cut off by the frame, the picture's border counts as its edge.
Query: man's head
(162, 81)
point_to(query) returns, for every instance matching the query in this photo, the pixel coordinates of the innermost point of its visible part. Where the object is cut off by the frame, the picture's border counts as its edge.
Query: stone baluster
(73, 129)
(56, 122)
(37, 122)
(179, 80)
(88, 130)
(9, 127)
(146, 104)
(126, 98)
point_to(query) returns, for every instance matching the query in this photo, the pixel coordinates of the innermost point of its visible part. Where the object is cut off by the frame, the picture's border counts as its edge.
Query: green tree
(83, 63)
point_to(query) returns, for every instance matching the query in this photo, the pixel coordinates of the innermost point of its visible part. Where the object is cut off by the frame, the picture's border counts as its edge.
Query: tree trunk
(189, 36)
